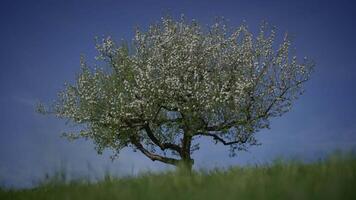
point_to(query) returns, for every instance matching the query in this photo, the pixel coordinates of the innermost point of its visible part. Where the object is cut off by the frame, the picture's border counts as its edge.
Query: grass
(333, 178)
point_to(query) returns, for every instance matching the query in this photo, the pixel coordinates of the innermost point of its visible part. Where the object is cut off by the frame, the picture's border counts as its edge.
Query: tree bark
(151, 155)
(187, 162)
(186, 165)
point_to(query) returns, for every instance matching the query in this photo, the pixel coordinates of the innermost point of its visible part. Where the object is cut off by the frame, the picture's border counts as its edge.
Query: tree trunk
(185, 166)
(187, 162)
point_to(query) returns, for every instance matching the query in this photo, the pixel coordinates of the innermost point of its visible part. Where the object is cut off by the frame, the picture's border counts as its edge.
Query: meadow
(331, 178)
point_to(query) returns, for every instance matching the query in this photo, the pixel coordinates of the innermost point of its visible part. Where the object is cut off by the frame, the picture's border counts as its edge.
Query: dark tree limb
(222, 126)
(170, 108)
(280, 96)
(219, 139)
(186, 145)
(227, 125)
(151, 155)
(162, 146)
(166, 120)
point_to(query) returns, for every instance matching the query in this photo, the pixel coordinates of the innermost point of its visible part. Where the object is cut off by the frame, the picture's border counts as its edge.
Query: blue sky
(41, 43)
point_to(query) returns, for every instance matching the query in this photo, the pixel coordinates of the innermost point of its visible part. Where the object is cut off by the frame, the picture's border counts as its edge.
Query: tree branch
(162, 146)
(217, 138)
(170, 108)
(227, 125)
(151, 155)
(224, 125)
(280, 96)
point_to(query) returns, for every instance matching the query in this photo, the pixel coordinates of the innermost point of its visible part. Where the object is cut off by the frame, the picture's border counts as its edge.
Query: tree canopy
(177, 81)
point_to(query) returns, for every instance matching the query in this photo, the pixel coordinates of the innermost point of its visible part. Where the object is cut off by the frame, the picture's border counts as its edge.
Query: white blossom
(207, 77)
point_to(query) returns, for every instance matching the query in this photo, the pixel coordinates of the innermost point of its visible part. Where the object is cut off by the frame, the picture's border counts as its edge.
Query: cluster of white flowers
(211, 77)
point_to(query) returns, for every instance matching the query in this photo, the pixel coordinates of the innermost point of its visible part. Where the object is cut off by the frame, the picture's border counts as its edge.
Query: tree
(179, 81)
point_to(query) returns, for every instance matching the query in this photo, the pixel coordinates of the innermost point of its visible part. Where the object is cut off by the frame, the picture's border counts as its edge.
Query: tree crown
(178, 80)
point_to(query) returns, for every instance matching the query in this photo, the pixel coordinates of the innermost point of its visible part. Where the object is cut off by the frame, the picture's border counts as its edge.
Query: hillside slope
(334, 178)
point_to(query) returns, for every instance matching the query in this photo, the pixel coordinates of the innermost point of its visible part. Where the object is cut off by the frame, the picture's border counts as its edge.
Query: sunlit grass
(333, 178)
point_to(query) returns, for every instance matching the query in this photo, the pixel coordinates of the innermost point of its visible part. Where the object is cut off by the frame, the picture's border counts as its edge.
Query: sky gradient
(40, 47)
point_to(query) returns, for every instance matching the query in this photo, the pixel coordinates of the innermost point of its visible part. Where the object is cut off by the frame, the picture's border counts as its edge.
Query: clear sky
(41, 42)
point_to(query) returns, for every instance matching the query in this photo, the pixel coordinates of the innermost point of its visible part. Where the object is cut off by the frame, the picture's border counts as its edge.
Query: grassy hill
(334, 178)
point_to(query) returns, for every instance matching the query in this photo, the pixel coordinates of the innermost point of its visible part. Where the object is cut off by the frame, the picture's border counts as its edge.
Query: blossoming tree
(179, 81)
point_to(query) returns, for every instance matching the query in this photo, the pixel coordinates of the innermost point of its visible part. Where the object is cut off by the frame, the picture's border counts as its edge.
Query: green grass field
(333, 178)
